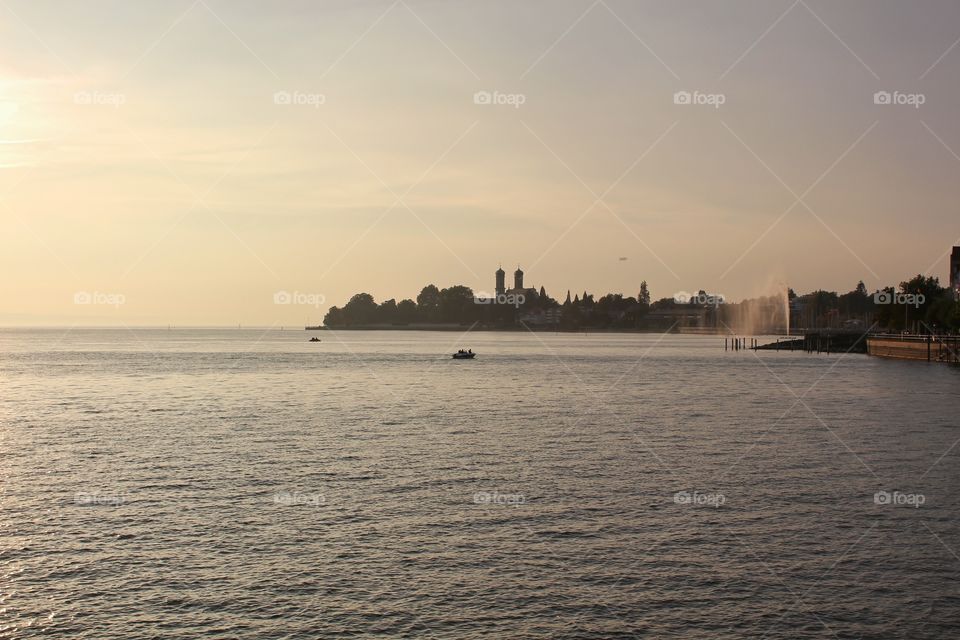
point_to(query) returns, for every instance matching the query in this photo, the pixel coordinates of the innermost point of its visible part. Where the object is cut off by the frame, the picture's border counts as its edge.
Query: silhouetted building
(526, 305)
(529, 294)
(542, 317)
(955, 272)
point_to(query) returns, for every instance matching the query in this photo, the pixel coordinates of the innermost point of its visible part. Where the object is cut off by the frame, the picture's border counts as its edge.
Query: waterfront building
(955, 273)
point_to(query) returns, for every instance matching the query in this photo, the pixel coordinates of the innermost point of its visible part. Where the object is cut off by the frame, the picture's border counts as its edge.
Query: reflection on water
(249, 484)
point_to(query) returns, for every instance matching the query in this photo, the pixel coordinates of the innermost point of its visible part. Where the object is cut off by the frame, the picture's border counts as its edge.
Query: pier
(736, 343)
(822, 341)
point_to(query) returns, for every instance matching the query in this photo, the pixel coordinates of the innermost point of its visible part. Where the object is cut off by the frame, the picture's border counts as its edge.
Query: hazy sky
(145, 159)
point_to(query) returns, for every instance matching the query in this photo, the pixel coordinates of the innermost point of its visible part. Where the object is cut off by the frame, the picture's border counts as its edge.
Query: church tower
(501, 287)
(518, 279)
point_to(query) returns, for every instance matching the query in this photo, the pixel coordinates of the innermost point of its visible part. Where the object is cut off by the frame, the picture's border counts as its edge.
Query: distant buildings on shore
(922, 301)
(775, 313)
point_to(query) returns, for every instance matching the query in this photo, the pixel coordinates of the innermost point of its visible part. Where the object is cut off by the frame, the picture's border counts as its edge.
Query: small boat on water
(314, 339)
(464, 355)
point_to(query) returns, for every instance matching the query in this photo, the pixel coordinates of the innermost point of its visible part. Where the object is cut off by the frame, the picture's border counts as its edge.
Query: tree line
(919, 304)
(459, 305)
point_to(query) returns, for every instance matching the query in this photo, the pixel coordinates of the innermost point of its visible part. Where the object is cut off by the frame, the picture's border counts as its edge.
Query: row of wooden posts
(736, 344)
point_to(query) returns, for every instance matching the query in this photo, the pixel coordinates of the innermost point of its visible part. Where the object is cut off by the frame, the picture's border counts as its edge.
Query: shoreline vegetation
(920, 305)
(479, 328)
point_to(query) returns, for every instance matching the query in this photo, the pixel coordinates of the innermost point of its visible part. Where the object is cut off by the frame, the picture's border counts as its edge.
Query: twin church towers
(518, 288)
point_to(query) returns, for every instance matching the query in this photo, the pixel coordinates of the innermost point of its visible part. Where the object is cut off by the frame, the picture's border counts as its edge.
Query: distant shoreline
(466, 327)
(432, 327)
(514, 329)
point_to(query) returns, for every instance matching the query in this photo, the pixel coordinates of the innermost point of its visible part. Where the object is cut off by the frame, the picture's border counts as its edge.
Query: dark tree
(644, 297)
(457, 305)
(928, 287)
(428, 303)
(334, 317)
(406, 311)
(387, 312)
(360, 310)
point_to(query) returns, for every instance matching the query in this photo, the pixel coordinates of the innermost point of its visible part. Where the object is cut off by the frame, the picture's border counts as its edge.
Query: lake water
(244, 483)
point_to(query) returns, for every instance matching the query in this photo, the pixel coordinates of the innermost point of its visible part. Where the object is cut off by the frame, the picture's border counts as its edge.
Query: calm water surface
(249, 484)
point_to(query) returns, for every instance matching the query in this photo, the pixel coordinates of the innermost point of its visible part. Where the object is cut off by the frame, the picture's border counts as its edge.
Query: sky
(217, 162)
